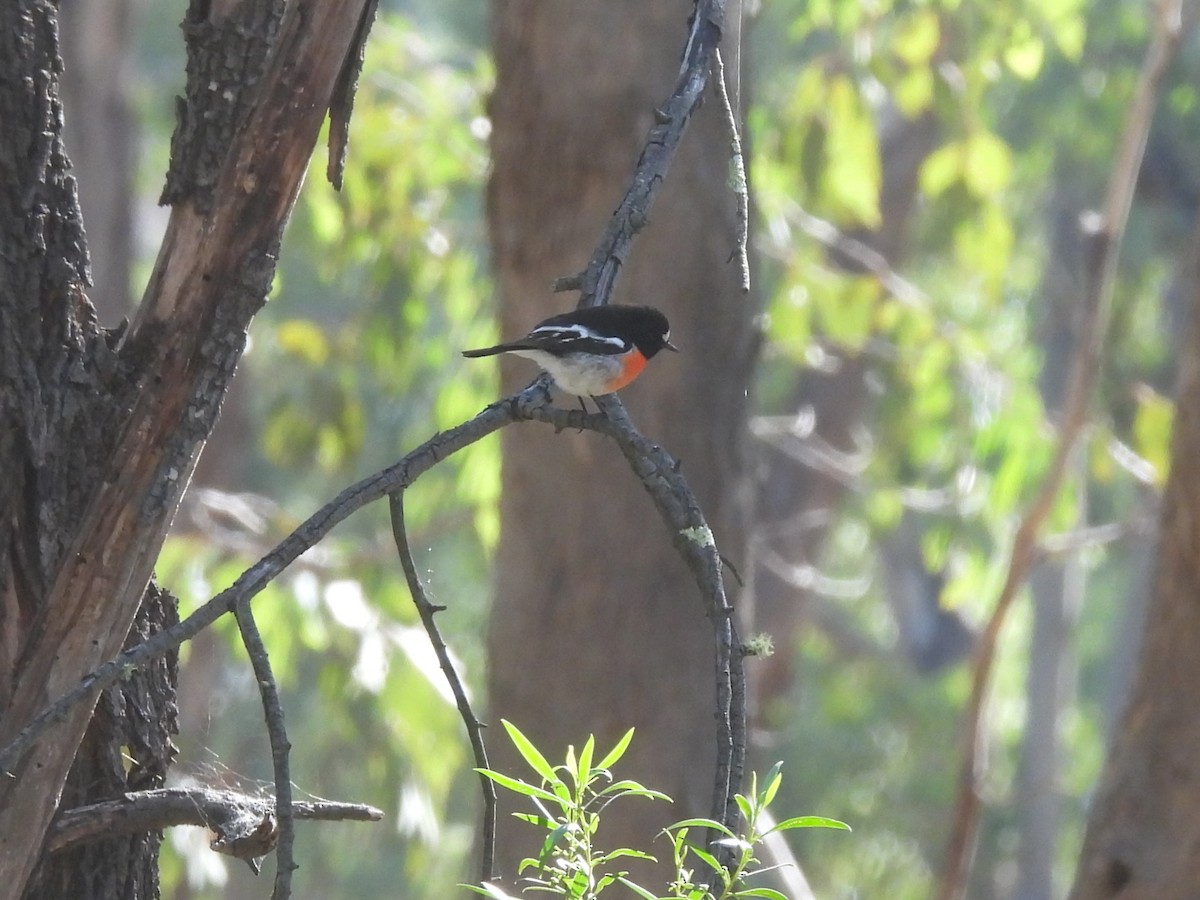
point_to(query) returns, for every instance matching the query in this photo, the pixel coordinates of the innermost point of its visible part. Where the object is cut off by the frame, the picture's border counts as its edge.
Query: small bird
(592, 351)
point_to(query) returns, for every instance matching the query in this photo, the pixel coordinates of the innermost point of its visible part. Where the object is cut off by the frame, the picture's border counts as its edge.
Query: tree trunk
(597, 625)
(127, 747)
(1143, 836)
(99, 431)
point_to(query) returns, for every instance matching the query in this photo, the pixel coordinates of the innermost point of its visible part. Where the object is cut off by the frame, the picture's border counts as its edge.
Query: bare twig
(1104, 231)
(737, 173)
(230, 816)
(280, 748)
(427, 611)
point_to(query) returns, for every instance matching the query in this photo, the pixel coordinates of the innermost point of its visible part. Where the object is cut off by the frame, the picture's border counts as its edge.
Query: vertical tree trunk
(1143, 836)
(597, 625)
(127, 747)
(99, 431)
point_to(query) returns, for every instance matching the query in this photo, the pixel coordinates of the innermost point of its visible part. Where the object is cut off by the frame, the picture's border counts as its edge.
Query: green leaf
(553, 839)
(739, 843)
(1025, 59)
(769, 893)
(942, 168)
(603, 882)
(701, 823)
(1152, 430)
(773, 780)
(809, 822)
(709, 860)
(853, 172)
(533, 819)
(625, 787)
(616, 752)
(745, 806)
(914, 92)
(583, 769)
(519, 787)
(304, 340)
(530, 753)
(987, 168)
(917, 38)
(636, 888)
(626, 852)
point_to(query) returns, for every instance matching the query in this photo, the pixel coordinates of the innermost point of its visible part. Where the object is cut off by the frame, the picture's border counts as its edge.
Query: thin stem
(427, 611)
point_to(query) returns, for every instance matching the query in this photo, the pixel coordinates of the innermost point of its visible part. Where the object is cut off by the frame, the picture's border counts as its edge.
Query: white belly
(582, 374)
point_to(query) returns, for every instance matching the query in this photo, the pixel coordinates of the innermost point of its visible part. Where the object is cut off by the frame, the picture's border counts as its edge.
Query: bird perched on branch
(592, 351)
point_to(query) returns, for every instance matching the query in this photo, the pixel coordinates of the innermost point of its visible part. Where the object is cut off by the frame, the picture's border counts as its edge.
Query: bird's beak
(671, 347)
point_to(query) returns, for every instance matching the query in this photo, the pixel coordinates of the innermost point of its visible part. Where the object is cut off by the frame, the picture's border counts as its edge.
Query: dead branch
(232, 817)
(426, 611)
(284, 834)
(396, 477)
(737, 173)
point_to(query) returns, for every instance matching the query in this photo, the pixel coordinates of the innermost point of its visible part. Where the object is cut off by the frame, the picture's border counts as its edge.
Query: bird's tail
(492, 351)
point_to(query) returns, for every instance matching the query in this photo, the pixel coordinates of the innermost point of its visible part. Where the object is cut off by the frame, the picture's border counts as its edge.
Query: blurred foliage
(1025, 101)
(354, 362)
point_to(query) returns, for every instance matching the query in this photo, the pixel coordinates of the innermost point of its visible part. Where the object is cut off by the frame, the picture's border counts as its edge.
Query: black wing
(559, 340)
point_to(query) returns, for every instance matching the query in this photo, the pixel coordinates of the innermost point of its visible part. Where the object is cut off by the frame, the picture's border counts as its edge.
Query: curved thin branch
(1105, 231)
(231, 817)
(427, 611)
(280, 747)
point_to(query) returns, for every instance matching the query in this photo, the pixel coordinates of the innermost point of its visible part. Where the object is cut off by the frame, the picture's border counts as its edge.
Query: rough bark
(99, 431)
(596, 625)
(1143, 835)
(127, 747)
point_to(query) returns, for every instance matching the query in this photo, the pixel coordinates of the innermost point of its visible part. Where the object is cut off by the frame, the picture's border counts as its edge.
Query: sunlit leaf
(809, 822)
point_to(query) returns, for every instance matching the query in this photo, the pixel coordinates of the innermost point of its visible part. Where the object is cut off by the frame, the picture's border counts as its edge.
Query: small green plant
(732, 868)
(570, 799)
